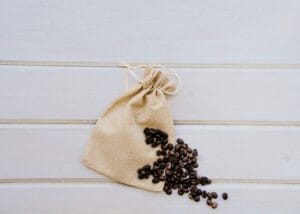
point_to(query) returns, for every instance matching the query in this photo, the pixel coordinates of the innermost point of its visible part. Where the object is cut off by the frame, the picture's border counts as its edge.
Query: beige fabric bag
(117, 145)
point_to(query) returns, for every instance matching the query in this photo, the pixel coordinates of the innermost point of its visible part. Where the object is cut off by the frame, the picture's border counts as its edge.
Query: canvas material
(117, 145)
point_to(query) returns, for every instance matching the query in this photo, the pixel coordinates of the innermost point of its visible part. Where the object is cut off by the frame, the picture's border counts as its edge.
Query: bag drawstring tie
(130, 70)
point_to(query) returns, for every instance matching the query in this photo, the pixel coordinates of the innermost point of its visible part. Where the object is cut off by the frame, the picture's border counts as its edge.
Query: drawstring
(129, 70)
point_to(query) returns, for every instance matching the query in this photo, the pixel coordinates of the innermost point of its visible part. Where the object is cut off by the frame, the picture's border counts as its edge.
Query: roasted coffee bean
(209, 202)
(169, 192)
(214, 195)
(170, 146)
(225, 196)
(180, 141)
(149, 141)
(209, 195)
(147, 167)
(146, 131)
(199, 192)
(196, 198)
(155, 180)
(180, 192)
(214, 205)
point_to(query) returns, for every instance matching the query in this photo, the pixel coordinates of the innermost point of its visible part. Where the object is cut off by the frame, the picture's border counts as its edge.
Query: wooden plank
(114, 198)
(76, 93)
(264, 32)
(226, 152)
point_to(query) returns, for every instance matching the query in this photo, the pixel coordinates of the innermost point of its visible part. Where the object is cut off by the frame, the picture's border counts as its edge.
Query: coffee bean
(146, 131)
(214, 195)
(214, 205)
(180, 141)
(155, 180)
(180, 192)
(169, 192)
(170, 146)
(149, 141)
(209, 195)
(199, 192)
(209, 202)
(147, 167)
(197, 198)
(225, 196)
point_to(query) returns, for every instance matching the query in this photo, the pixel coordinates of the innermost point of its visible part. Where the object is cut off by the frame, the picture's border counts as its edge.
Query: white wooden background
(240, 105)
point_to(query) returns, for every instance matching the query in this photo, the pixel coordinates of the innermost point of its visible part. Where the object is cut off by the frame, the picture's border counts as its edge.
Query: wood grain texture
(209, 32)
(77, 93)
(230, 153)
(113, 198)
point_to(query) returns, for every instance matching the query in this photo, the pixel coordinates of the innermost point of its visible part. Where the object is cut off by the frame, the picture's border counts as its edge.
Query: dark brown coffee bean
(225, 196)
(209, 195)
(180, 192)
(180, 141)
(171, 153)
(169, 192)
(147, 167)
(196, 198)
(146, 131)
(209, 202)
(149, 141)
(155, 180)
(199, 192)
(170, 146)
(164, 147)
(186, 190)
(204, 194)
(214, 195)
(195, 152)
(214, 205)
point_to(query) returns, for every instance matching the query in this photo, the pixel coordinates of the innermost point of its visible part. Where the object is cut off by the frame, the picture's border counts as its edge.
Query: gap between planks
(176, 122)
(107, 180)
(170, 65)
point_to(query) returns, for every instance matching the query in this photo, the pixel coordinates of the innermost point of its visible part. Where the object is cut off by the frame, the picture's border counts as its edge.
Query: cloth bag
(117, 145)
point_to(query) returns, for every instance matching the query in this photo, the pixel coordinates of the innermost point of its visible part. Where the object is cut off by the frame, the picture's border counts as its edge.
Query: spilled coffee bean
(176, 167)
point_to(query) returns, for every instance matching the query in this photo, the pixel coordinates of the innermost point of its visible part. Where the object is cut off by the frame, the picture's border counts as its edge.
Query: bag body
(117, 145)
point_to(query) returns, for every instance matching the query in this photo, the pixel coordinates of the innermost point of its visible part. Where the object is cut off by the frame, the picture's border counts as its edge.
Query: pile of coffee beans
(176, 167)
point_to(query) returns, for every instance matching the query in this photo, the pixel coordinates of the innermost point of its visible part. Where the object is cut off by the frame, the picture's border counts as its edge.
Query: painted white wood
(208, 94)
(225, 152)
(257, 31)
(109, 198)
